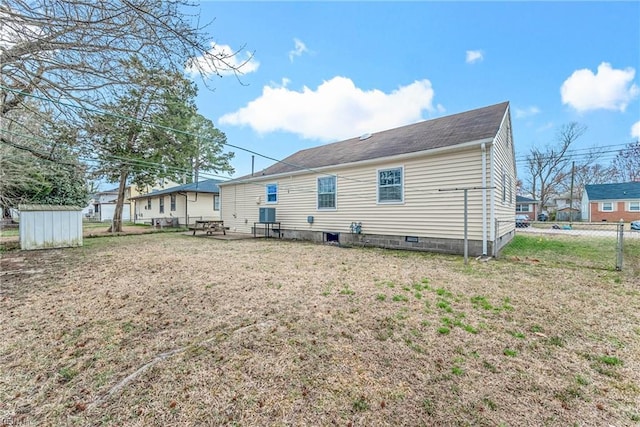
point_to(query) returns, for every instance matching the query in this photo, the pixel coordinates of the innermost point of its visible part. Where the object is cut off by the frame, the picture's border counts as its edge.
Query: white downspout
(483, 147)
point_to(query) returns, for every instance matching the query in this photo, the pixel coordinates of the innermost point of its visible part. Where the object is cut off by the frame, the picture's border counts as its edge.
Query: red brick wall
(615, 216)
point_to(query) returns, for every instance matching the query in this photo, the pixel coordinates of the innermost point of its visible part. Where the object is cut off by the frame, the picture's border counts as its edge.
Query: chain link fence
(606, 245)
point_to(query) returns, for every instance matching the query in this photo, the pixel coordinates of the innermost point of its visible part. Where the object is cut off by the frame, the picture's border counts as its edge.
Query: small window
(216, 202)
(522, 208)
(272, 193)
(390, 185)
(173, 203)
(634, 206)
(504, 185)
(161, 204)
(607, 206)
(149, 204)
(327, 192)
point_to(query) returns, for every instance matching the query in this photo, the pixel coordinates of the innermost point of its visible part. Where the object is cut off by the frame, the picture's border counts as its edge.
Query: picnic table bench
(209, 226)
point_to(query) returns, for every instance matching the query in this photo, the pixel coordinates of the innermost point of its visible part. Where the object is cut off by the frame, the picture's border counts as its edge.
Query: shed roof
(618, 191)
(50, 208)
(448, 131)
(206, 186)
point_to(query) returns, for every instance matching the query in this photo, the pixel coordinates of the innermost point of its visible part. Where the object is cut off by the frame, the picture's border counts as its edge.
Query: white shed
(46, 226)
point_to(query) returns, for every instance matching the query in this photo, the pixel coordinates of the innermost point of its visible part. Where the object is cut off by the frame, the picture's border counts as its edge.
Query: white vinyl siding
(425, 212)
(390, 185)
(327, 192)
(502, 167)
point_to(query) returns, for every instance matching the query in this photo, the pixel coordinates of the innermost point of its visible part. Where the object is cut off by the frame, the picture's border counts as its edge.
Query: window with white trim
(634, 207)
(272, 193)
(149, 204)
(606, 207)
(522, 207)
(327, 192)
(173, 203)
(390, 185)
(162, 204)
(216, 202)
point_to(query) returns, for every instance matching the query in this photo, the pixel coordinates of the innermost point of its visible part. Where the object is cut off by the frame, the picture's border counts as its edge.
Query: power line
(120, 116)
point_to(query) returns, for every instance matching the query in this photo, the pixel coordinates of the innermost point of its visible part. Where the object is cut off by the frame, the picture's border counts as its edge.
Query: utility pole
(573, 170)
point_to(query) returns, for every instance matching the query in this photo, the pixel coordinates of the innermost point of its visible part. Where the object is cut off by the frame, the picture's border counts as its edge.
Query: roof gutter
(332, 168)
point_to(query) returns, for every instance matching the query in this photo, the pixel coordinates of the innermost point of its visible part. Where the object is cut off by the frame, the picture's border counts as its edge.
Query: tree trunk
(116, 225)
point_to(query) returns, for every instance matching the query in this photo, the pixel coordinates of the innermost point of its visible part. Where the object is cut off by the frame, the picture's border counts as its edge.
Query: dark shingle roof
(207, 186)
(442, 132)
(522, 199)
(620, 191)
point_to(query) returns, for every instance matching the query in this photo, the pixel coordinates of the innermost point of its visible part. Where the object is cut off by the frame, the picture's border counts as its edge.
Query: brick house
(611, 202)
(527, 206)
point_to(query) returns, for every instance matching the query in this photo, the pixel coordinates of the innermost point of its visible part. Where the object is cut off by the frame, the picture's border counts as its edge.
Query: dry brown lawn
(171, 329)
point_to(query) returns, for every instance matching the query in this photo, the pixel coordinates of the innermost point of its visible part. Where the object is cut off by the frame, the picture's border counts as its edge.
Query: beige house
(400, 188)
(179, 205)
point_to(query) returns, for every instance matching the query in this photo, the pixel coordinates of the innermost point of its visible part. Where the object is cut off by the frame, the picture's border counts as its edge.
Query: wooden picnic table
(209, 226)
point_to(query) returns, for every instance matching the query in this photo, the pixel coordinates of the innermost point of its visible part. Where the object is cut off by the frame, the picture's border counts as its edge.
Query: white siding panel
(503, 159)
(40, 229)
(425, 212)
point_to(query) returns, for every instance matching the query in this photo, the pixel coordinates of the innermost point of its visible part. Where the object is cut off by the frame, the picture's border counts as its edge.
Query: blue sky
(328, 71)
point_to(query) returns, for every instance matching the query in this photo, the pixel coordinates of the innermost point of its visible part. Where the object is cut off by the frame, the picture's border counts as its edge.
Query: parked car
(522, 221)
(635, 225)
(543, 217)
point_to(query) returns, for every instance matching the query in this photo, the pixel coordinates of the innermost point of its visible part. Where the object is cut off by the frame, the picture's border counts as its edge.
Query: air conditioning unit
(267, 215)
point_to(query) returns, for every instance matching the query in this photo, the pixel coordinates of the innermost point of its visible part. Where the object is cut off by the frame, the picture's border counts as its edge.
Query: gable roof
(206, 186)
(448, 131)
(619, 191)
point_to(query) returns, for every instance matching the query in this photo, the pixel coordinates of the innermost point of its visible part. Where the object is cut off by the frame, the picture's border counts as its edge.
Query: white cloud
(474, 56)
(545, 127)
(13, 31)
(608, 89)
(336, 110)
(522, 113)
(635, 130)
(222, 59)
(298, 50)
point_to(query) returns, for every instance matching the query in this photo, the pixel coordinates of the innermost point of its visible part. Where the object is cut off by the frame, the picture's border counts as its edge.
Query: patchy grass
(592, 251)
(174, 330)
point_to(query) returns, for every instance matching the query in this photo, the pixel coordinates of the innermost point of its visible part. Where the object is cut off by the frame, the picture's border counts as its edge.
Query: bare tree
(549, 168)
(627, 163)
(57, 53)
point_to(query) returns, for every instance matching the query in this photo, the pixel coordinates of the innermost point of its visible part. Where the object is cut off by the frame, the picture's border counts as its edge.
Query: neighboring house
(386, 189)
(565, 210)
(527, 206)
(104, 202)
(611, 202)
(104, 205)
(182, 203)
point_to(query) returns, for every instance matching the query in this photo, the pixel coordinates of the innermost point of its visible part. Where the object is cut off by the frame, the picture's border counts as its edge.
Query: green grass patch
(457, 370)
(569, 251)
(360, 404)
(347, 291)
(510, 352)
(610, 360)
(399, 298)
